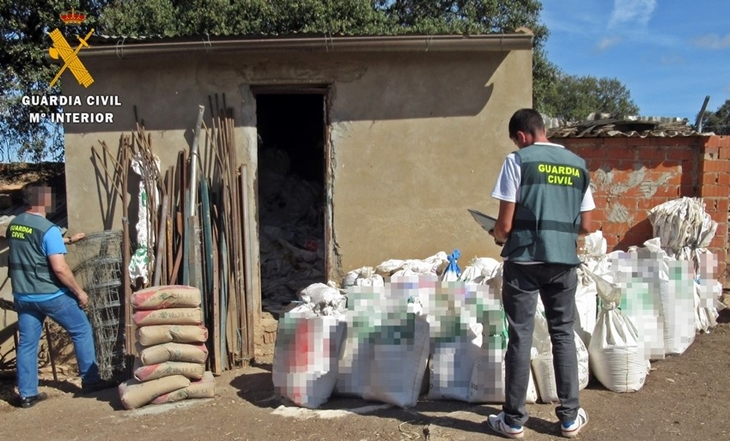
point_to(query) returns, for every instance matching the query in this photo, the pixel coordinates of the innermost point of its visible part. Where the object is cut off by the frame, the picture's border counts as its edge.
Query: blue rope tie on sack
(453, 266)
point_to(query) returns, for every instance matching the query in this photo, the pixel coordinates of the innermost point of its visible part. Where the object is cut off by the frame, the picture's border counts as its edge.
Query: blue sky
(668, 54)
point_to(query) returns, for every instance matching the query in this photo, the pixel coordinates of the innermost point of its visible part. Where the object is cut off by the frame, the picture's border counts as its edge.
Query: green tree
(369, 17)
(241, 17)
(25, 71)
(717, 121)
(573, 98)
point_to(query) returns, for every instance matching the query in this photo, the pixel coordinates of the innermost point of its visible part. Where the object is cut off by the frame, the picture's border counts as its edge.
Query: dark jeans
(556, 286)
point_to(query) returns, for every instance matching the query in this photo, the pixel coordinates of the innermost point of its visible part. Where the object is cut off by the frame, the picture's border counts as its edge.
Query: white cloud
(631, 12)
(607, 42)
(671, 60)
(713, 41)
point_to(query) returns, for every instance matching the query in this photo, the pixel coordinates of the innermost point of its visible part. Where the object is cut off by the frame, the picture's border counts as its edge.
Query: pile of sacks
(171, 351)
(445, 331)
(653, 299)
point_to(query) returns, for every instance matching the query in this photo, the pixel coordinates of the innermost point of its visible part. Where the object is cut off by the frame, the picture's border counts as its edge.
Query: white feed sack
(365, 276)
(542, 360)
(399, 338)
(306, 356)
(484, 271)
(684, 230)
(682, 223)
(708, 291)
(594, 258)
(370, 309)
(354, 362)
(399, 358)
(435, 264)
(463, 317)
(586, 296)
(324, 299)
(617, 357)
(662, 287)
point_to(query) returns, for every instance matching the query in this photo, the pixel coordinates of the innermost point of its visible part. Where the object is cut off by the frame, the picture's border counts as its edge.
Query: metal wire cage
(99, 271)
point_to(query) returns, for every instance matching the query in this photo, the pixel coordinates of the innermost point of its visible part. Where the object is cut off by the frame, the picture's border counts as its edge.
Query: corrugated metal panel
(638, 127)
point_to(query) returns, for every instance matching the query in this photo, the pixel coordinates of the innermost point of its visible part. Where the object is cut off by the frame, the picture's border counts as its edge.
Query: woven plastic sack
(616, 355)
(306, 356)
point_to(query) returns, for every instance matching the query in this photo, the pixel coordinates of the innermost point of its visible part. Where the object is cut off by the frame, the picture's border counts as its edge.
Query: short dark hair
(526, 120)
(32, 192)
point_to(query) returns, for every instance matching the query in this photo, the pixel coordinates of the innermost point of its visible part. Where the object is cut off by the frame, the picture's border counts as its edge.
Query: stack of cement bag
(171, 351)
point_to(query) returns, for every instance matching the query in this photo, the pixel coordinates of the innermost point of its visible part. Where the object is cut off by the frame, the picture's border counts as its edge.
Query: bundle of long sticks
(199, 229)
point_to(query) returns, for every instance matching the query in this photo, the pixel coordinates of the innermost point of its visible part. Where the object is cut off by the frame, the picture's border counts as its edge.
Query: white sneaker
(497, 424)
(570, 430)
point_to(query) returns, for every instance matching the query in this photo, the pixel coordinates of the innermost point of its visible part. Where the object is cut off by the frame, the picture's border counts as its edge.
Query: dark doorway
(291, 184)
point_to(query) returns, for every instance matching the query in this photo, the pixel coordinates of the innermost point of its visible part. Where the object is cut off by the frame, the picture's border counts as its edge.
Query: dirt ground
(685, 398)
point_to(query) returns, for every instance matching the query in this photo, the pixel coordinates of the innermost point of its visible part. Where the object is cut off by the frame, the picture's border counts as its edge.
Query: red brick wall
(632, 175)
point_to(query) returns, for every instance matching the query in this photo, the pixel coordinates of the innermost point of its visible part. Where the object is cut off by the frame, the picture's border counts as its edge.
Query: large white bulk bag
(354, 362)
(390, 345)
(468, 333)
(306, 356)
(452, 362)
(398, 359)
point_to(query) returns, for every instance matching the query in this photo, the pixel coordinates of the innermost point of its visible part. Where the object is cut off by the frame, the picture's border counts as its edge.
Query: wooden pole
(161, 236)
(248, 259)
(129, 337)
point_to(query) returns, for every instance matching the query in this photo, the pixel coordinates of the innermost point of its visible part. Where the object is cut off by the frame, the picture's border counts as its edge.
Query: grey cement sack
(187, 352)
(203, 388)
(158, 334)
(166, 296)
(173, 316)
(134, 393)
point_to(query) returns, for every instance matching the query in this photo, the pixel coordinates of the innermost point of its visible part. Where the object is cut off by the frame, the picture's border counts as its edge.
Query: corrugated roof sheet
(636, 127)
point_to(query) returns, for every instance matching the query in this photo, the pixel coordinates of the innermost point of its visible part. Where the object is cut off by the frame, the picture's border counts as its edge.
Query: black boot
(97, 386)
(31, 401)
